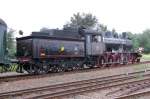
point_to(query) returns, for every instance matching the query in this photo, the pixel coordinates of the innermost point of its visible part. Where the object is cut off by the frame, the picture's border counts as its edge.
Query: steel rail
(78, 84)
(134, 95)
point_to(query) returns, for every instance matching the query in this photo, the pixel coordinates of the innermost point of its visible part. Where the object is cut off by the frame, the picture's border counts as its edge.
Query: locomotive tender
(60, 50)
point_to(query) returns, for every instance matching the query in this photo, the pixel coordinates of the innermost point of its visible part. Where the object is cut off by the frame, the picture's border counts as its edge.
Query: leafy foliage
(145, 41)
(86, 20)
(11, 43)
(135, 39)
(101, 27)
(78, 20)
(141, 40)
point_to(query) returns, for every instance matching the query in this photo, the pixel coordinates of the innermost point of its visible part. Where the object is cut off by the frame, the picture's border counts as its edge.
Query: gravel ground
(31, 83)
(102, 95)
(10, 73)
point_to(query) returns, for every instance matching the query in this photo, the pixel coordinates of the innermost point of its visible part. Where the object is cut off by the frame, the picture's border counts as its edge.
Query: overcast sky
(31, 15)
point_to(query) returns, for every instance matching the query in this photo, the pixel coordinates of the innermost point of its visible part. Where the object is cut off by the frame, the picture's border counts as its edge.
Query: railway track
(29, 76)
(61, 90)
(129, 90)
(135, 95)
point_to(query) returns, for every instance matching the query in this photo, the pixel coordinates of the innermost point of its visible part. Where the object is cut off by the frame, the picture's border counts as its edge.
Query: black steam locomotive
(60, 50)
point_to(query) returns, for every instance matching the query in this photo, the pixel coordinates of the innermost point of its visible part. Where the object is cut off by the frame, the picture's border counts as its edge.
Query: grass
(145, 57)
(12, 68)
(141, 66)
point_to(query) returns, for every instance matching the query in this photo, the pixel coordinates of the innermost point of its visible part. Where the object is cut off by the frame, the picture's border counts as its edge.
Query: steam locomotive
(56, 50)
(59, 50)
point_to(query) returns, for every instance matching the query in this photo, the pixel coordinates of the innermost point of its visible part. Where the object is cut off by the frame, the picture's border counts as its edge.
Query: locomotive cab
(93, 43)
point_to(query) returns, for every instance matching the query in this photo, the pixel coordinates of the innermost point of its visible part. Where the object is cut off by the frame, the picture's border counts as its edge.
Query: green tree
(135, 39)
(102, 28)
(11, 43)
(145, 41)
(78, 20)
